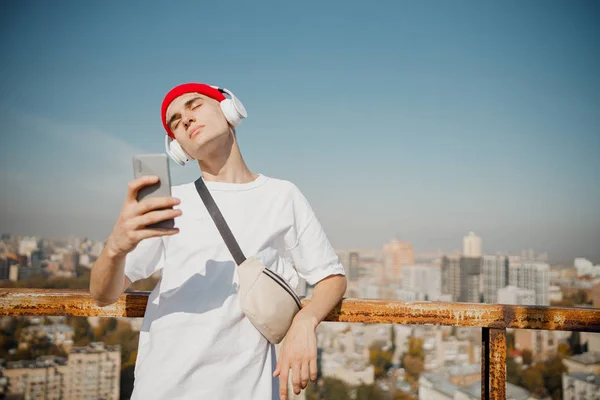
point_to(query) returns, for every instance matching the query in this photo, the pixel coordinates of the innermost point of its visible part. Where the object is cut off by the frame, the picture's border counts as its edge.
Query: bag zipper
(279, 280)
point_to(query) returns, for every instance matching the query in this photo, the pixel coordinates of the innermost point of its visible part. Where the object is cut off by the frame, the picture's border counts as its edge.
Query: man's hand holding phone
(132, 225)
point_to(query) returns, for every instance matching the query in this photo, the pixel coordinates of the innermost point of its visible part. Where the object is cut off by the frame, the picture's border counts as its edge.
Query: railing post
(493, 364)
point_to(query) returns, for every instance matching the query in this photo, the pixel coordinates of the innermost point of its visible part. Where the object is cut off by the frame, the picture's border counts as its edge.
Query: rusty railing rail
(494, 319)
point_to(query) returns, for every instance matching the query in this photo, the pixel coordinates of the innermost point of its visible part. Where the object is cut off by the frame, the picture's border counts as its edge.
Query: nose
(187, 120)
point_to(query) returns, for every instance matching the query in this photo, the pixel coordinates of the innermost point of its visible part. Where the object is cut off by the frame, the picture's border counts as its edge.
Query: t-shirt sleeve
(307, 244)
(145, 259)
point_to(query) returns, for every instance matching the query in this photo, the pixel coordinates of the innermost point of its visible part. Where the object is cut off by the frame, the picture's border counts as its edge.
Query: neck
(226, 164)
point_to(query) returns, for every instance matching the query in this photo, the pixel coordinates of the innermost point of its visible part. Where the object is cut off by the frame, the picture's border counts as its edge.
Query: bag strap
(217, 217)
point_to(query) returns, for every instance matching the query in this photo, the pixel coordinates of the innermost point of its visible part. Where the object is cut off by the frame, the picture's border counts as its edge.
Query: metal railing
(494, 319)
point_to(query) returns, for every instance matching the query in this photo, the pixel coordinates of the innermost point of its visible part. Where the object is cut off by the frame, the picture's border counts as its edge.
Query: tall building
(516, 296)
(585, 267)
(4, 268)
(97, 249)
(577, 385)
(495, 276)
(460, 278)
(70, 260)
(27, 245)
(396, 254)
(424, 280)
(42, 378)
(353, 266)
(531, 275)
(36, 259)
(95, 372)
(450, 267)
(471, 245)
(543, 344)
(74, 242)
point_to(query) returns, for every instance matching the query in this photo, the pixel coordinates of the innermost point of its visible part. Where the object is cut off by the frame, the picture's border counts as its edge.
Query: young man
(196, 342)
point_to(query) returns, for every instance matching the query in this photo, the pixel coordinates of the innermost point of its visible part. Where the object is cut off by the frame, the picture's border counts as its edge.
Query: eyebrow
(186, 105)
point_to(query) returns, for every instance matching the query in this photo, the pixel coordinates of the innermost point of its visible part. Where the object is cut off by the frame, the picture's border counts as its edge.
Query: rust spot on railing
(497, 368)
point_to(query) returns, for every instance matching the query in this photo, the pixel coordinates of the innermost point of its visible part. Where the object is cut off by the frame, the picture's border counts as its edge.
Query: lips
(195, 131)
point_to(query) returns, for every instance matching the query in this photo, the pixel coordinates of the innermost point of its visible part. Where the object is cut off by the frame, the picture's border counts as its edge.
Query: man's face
(197, 123)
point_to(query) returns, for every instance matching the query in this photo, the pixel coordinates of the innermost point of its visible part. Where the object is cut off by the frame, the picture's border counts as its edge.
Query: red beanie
(183, 89)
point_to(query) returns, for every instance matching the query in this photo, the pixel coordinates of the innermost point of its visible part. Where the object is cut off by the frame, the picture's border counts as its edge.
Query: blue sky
(416, 120)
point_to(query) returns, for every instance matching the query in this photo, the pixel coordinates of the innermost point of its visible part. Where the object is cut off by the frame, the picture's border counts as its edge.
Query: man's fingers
(296, 377)
(155, 203)
(283, 381)
(148, 233)
(313, 369)
(154, 217)
(304, 372)
(135, 185)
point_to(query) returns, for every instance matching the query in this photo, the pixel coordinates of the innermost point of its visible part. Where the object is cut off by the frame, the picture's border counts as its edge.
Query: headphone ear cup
(176, 152)
(231, 114)
(233, 109)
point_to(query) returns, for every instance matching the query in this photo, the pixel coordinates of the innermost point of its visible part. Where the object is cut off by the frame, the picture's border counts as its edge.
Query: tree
(580, 297)
(413, 366)
(368, 392)
(527, 357)
(415, 347)
(105, 327)
(127, 379)
(564, 350)
(532, 380)
(393, 339)
(513, 371)
(400, 395)
(380, 359)
(510, 341)
(81, 328)
(7, 343)
(327, 388)
(127, 338)
(575, 343)
(553, 376)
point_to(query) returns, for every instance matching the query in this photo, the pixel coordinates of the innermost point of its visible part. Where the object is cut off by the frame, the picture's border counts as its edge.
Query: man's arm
(108, 280)
(299, 352)
(327, 294)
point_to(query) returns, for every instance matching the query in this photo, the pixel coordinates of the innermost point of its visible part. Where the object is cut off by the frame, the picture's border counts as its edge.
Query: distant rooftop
(513, 392)
(588, 378)
(441, 383)
(40, 362)
(61, 328)
(95, 347)
(589, 358)
(463, 370)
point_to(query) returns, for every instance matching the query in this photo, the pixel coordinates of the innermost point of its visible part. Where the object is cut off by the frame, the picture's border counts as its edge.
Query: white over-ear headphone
(234, 112)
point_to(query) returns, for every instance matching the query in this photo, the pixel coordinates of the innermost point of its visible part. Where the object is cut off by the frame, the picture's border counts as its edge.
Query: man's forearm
(326, 296)
(107, 278)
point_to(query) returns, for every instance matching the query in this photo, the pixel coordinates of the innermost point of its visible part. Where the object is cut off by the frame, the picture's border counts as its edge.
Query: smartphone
(157, 165)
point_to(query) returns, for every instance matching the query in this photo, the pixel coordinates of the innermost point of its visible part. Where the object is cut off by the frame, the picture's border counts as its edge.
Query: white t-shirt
(195, 342)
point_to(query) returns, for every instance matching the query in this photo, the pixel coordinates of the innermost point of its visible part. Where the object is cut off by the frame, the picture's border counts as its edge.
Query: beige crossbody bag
(266, 298)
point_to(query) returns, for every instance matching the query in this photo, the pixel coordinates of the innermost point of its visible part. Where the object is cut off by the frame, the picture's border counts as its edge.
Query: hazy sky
(417, 120)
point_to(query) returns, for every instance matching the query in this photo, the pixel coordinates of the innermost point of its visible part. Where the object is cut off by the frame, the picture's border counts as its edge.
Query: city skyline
(419, 124)
(418, 257)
